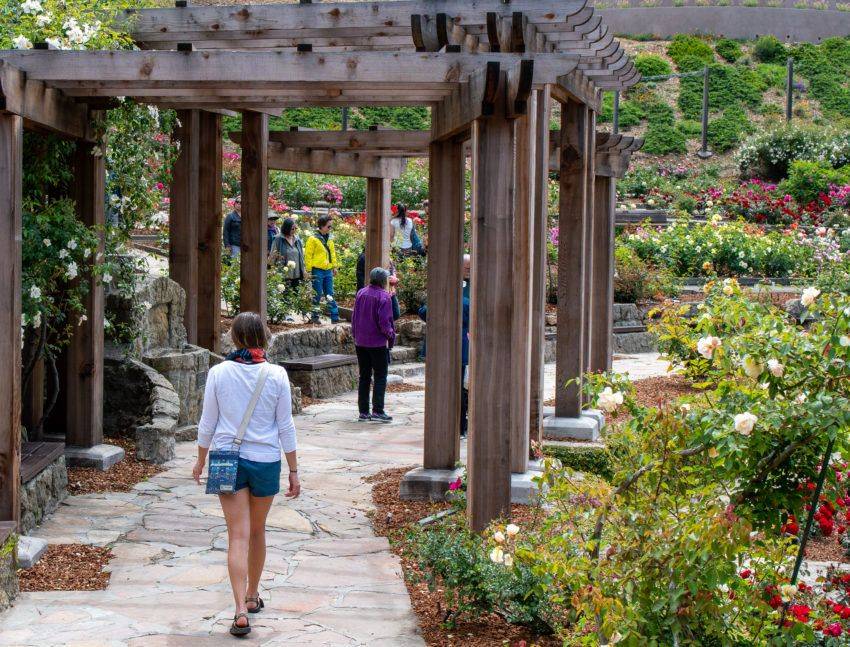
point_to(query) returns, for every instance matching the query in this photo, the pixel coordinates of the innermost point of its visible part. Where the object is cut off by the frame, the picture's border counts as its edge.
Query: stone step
(29, 550)
(401, 354)
(409, 369)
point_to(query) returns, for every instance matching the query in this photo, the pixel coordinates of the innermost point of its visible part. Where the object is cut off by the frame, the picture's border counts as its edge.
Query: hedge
(592, 459)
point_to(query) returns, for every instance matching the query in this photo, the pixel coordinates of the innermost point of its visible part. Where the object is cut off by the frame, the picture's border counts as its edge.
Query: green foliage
(729, 50)
(652, 65)
(727, 86)
(411, 189)
(582, 458)
(774, 76)
(727, 131)
(806, 180)
(769, 49)
(827, 68)
(663, 137)
(631, 114)
(283, 299)
(769, 153)
(412, 275)
(685, 49)
(415, 118)
(635, 280)
(318, 118)
(690, 128)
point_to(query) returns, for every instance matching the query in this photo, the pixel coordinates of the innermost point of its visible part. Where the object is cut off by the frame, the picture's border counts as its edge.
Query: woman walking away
(247, 421)
(374, 334)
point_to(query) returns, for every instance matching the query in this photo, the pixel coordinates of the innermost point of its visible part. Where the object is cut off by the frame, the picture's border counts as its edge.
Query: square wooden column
(590, 296)
(491, 356)
(83, 384)
(571, 259)
(11, 163)
(540, 236)
(209, 232)
(378, 197)
(443, 372)
(602, 319)
(183, 218)
(525, 134)
(255, 190)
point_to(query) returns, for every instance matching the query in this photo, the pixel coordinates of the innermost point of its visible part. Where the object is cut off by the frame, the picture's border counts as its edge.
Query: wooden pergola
(489, 71)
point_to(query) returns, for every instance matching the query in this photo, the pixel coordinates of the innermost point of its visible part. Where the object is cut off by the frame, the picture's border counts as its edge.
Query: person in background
(321, 263)
(374, 334)
(271, 229)
(403, 231)
(467, 263)
(233, 229)
(288, 250)
(228, 392)
(393, 282)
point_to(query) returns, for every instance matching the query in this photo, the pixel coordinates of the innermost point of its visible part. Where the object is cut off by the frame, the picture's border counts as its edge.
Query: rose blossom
(809, 296)
(609, 400)
(844, 340)
(497, 555)
(776, 368)
(707, 345)
(751, 367)
(499, 537)
(512, 530)
(744, 423)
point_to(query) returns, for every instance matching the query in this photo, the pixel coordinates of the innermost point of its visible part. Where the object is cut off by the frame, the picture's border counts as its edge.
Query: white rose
(55, 43)
(72, 244)
(707, 345)
(512, 530)
(809, 296)
(787, 592)
(35, 292)
(291, 265)
(86, 252)
(31, 6)
(844, 340)
(508, 560)
(72, 270)
(21, 42)
(609, 400)
(776, 368)
(499, 537)
(744, 423)
(685, 407)
(751, 367)
(43, 19)
(728, 290)
(107, 278)
(83, 319)
(497, 555)
(800, 399)
(63, 253)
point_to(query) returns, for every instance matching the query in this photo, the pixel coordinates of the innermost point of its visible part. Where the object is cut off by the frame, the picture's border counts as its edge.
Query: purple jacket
(372, 320)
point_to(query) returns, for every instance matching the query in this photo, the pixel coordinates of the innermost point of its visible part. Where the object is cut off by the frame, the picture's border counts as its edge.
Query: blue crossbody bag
(224, 463)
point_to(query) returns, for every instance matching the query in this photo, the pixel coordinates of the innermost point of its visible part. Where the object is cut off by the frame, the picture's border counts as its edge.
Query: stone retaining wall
(186, 370)
(41, 495)
(326, 382)
(304, 342)
(8, 574)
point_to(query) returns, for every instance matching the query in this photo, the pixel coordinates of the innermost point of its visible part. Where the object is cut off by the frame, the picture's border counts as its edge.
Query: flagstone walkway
(328, 581)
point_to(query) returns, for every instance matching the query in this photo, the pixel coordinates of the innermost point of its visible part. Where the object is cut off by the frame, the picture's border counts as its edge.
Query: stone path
(328, 579)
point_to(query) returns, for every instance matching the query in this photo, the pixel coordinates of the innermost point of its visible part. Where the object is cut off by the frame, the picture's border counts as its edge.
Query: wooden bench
(323, 376)
(36, 456)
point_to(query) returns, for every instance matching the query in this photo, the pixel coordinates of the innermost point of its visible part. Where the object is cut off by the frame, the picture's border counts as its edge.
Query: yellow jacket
(317, 256)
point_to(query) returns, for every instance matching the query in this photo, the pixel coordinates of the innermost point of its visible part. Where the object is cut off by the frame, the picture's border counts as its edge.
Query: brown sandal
(236, 630)
(258, 603)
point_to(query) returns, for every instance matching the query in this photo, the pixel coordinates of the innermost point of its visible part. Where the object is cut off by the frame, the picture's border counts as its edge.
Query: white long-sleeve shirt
(228, 392)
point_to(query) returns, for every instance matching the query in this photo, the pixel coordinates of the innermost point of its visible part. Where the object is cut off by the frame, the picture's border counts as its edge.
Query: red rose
(800, 612)
(775, 602)
(833, 630)
(746, 573)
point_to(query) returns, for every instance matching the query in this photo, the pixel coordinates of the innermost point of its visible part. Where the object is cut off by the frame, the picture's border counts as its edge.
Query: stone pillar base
(523, 488)
(585, 427)
(422, 484)
(29, 550)
(101, 457)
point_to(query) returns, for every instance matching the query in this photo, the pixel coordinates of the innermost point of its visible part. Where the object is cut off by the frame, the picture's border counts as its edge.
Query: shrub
(769, 153)
(768, 49)
(690, 128)
(684, 47)
(652, 65)
(636, 280)
(591, 459)
(807, 180)
(727, 86)
(631, 114)
(728, 49)
(774, 76)
(726, 132)
(662, 138)
(412, 286)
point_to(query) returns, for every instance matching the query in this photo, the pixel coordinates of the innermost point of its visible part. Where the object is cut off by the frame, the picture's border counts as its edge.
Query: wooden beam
(255, 189)
(540, 237)
(330, 163)
(571, 247)
(84, 356)
(602, 318)
(209, 231)
(42, 107)
(492, 358)
(576, 87)
(445, 277)
(11, 172)
(357, 141)
(589, 232)
(455, 114)
(183, 218)
(378, 214)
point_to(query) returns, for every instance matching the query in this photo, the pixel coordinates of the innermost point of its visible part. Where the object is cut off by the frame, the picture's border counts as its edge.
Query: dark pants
(372, 360)
(464, 409)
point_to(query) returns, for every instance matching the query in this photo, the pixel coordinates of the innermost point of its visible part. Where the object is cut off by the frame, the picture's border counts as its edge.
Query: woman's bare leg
(259, 509)
(236, 509)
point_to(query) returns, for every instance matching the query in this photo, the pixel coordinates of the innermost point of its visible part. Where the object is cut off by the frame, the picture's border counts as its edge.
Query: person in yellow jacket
(320, 262)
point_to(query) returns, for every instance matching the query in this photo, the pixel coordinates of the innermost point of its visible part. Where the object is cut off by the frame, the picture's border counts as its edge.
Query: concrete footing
(585, 427)
(101, 457)
(422, 484)
(29, 550)
(523, 488)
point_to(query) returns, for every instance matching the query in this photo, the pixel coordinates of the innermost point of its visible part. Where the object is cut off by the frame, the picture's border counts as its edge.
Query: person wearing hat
(288, 250)
(271, 228)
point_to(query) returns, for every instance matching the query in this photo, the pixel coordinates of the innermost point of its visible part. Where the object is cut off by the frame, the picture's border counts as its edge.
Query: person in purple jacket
(374, 334)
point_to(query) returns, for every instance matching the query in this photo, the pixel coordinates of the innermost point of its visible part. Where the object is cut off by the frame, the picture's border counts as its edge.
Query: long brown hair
(249, 331)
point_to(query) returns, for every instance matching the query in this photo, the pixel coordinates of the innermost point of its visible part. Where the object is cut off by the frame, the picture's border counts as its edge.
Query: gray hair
(379, 277)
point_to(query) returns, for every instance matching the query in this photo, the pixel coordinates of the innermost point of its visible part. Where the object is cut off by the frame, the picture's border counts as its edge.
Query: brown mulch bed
(307, 401)
(121, 477)
(404, 387)
(656, 391)
(227, 322)
(68, 567)
(826, 549)
(390, 517)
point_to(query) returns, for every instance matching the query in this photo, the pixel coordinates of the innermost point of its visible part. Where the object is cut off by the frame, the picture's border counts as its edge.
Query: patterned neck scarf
(248, 356)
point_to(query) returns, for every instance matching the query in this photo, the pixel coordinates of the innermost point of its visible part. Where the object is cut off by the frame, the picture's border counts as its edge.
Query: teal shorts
(261, 479)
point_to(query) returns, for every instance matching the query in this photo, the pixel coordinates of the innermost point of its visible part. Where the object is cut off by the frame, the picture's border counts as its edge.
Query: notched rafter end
(491, 88)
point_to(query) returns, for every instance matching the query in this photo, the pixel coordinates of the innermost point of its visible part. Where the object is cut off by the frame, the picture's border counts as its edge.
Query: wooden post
(602, 318)
(540, 234)
(525, 134)
(11, 163)
(83, 384)
(789, 90)
(590, 296)
(445, 300)
(255, 189)
(492, 357)
(209, 232)
(183, 218)
(571, 249)
(378, 193)
(703, 152)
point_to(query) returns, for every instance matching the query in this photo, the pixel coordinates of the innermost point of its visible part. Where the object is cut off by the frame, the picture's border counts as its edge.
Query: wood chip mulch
(656, 391)
(826, 549)
(404, 387)
(121, 477)
(389, 519)
(227, 322)
(307, 401)
(68, 567)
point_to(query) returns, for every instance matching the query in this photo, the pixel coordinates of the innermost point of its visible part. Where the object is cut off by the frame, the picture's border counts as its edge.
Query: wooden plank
(41, 107)
(492, 357)
(443, 371)
(571, 248)
(183, 218)
(357, 141)
(255, 190)
(331, 163)
(83, 365)
(35, 456)
(209, 231)
(540, 237)
(319, 362)
(525, 135)
(11, 163)
(589, 225)
(378, 214)
(602, 319)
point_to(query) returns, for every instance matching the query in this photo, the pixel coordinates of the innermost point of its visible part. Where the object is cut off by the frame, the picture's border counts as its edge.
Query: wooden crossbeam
(330, 163)
(389, 143)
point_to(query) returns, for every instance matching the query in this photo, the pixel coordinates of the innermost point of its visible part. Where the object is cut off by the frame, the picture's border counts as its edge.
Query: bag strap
(255, 397)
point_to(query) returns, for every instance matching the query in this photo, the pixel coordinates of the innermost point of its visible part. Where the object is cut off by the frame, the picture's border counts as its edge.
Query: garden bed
(68, 567)
(121, 477)
(227, 322)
